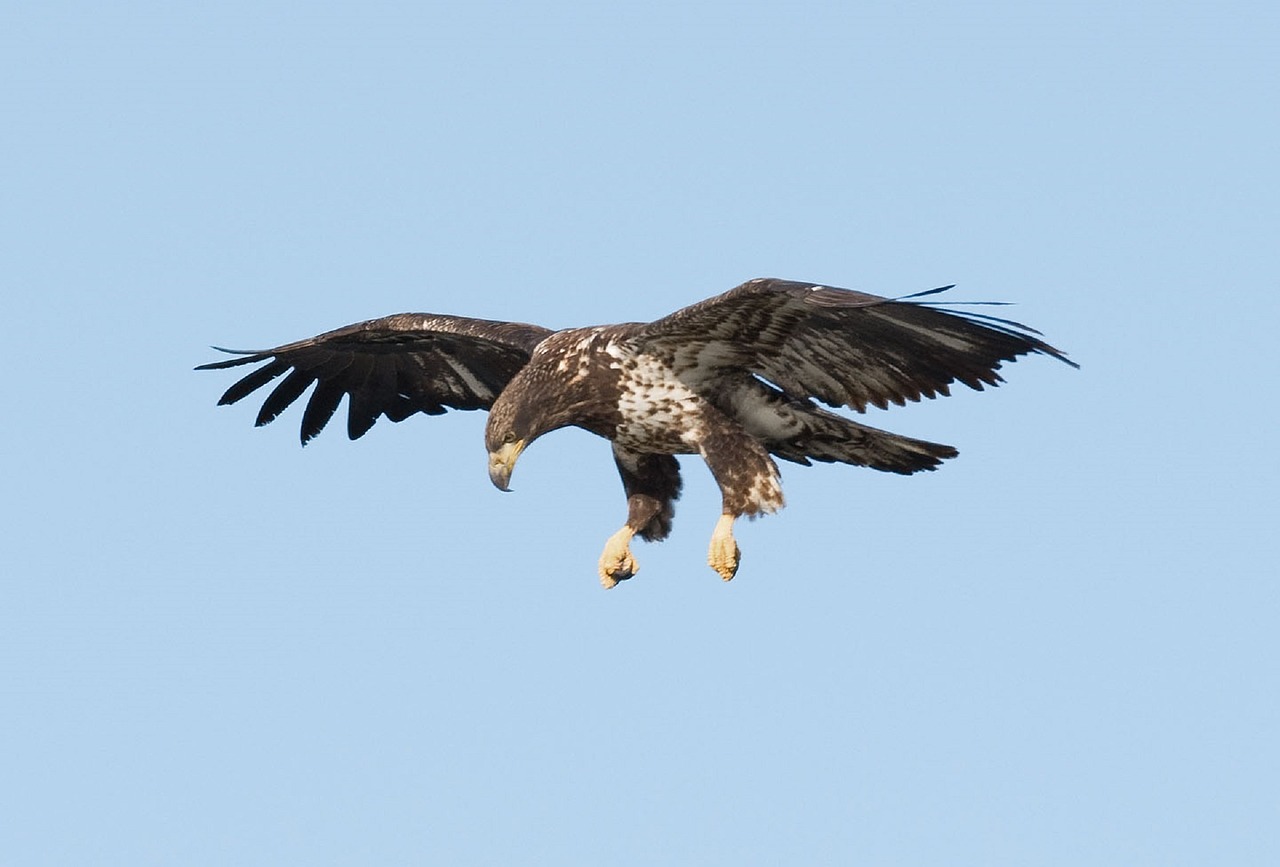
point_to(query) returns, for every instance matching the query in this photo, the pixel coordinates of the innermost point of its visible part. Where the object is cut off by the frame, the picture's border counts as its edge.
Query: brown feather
(395, 366)
(842, 347)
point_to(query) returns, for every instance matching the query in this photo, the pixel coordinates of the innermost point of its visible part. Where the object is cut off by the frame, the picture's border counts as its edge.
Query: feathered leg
(652, 483)
(749, 485)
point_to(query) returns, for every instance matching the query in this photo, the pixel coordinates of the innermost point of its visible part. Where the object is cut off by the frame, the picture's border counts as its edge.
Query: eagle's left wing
(394, 366)
(845, 348)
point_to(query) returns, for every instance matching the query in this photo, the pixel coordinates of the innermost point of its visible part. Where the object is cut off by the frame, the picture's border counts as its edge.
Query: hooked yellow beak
(502, 462)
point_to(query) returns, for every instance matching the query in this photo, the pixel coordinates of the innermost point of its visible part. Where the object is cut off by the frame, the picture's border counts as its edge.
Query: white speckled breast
(660, 414)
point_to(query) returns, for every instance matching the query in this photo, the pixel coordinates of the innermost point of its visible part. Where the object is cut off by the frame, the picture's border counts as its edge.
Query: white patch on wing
(699, 362)
(477, 387)
(932, 334)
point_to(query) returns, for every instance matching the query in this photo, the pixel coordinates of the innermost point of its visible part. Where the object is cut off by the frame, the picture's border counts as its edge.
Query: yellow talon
(724, 554)
(616, 562)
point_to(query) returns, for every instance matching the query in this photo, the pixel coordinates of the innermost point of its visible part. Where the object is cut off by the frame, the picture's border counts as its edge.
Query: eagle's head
(516, 419)
(560, 386)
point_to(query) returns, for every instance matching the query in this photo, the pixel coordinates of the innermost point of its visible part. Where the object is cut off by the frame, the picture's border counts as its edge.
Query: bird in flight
(737, 379)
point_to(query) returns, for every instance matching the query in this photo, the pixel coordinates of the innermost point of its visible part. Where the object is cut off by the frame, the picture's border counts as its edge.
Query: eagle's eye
(509, 437)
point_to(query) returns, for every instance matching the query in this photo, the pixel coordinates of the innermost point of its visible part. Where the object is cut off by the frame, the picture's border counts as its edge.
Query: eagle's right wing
(395, 366)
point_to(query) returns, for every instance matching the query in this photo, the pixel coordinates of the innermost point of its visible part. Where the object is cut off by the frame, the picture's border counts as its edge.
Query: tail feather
(830, 438)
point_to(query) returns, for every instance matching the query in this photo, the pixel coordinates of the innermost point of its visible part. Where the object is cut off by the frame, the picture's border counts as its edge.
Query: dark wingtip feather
(285, 393)
(248, 356)
(1025, 333)
(252, 382)
(1008, 326)
(320, 408)
(925, 292)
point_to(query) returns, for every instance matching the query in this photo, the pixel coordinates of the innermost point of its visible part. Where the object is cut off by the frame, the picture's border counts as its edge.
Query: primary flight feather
(736, 379)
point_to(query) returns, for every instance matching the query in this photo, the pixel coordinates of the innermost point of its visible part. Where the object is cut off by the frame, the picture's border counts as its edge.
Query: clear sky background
(218, 648)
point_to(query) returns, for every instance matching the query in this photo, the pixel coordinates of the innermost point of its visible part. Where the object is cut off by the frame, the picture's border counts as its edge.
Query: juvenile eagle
(734, 379)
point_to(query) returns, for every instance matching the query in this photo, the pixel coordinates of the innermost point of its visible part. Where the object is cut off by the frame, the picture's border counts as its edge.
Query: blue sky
(217, 647)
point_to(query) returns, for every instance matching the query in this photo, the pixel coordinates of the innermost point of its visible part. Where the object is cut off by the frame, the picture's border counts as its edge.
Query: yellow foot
(616, 562)
(724, 555)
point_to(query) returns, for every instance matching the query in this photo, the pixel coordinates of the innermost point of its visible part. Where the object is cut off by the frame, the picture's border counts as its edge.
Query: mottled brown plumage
(735, 379)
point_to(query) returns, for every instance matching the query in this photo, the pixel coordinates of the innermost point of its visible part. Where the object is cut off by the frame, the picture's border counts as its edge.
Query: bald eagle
(736, 379)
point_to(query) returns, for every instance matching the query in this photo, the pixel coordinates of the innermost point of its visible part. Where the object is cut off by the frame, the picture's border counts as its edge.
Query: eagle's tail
(833, 439)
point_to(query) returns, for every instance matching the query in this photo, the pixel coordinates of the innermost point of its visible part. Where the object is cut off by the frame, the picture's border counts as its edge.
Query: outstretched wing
(395, 366)
(845, 348)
